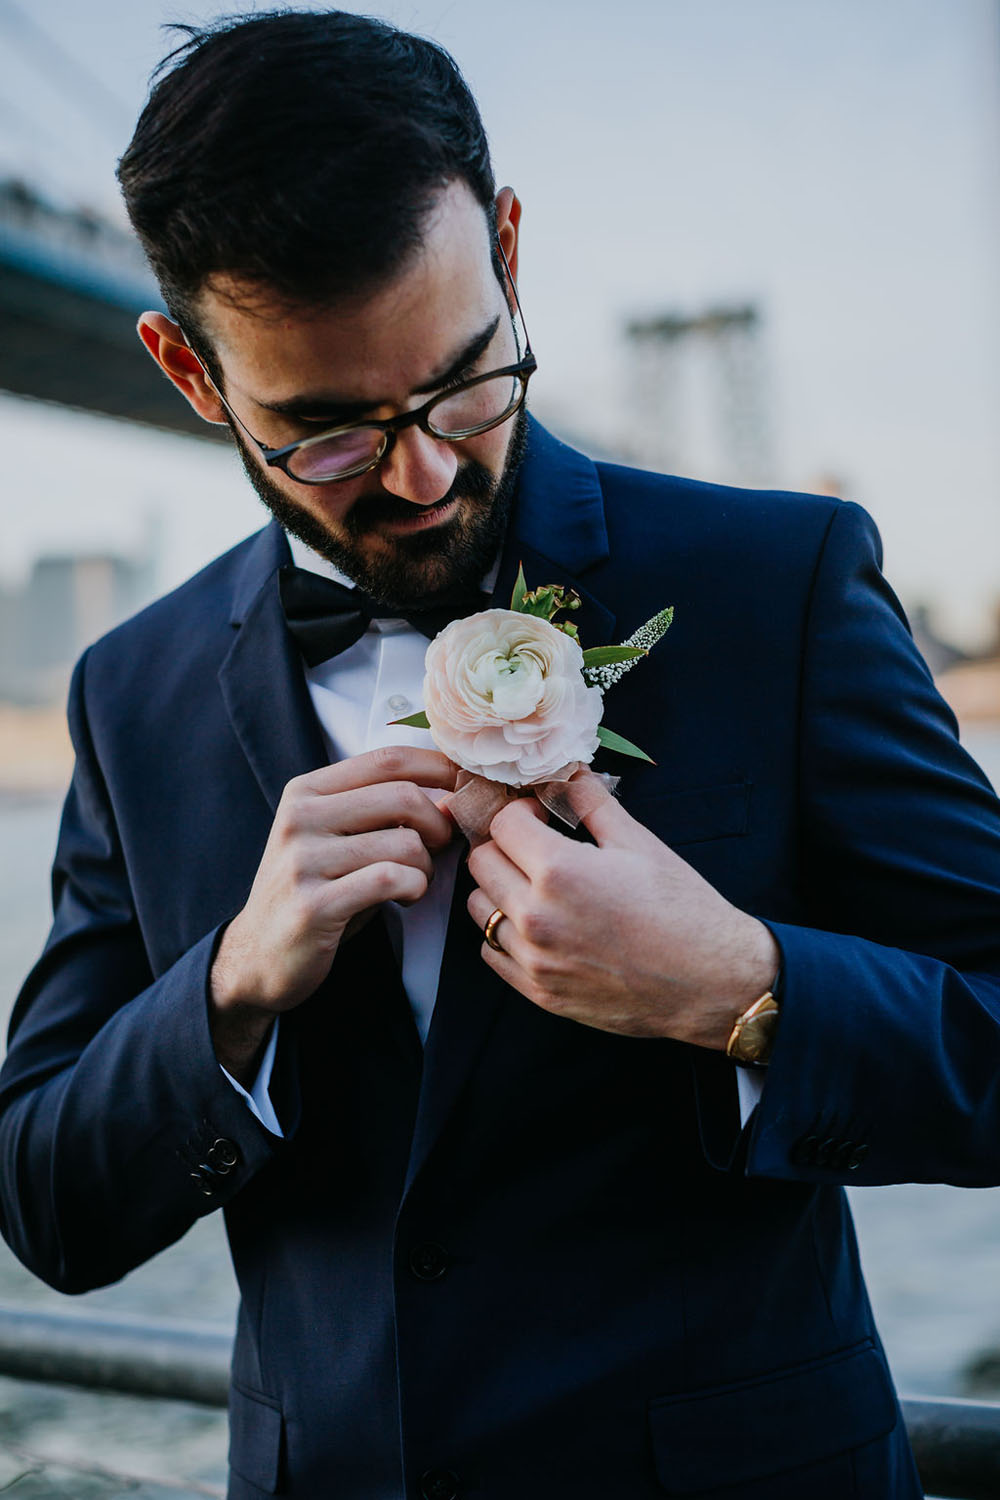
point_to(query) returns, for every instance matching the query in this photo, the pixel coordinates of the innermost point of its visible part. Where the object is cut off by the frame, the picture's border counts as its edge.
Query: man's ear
(168, 346)
(508, 224)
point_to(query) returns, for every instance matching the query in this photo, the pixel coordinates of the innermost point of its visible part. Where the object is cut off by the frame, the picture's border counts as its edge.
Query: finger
(481, 908)
(500, 879)
(389, 763)
(332, 858)
(601, 813)
(392, 804)
(504, 964)
(372, 886)
(357, 923)
(520, 831)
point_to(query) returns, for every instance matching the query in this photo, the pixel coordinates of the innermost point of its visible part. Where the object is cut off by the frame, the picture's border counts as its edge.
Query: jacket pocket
(758, 1429)
(696, 815)
(256, 1430)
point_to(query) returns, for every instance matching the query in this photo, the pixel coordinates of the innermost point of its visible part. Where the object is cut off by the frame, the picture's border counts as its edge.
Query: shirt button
(399, 703)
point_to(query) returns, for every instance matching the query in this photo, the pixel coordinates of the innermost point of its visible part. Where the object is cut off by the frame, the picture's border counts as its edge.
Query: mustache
(472, 481)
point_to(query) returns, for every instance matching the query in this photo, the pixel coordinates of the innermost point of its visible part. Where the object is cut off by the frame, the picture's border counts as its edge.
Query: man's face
(432, 514)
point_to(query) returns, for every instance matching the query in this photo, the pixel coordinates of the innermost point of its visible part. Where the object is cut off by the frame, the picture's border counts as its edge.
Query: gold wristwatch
(752, 1037)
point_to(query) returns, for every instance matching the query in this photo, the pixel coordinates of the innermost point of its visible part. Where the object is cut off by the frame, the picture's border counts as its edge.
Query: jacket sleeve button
(841, 1159)
(803, 1153)
(826, 1151)
(203, 1182)
(222, 1156)
(857, 1156)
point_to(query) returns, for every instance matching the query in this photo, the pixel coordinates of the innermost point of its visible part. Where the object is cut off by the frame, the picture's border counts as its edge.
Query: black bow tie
(325, 618)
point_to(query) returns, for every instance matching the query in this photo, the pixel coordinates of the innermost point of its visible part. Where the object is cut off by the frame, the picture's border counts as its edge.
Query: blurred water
(931, 1253)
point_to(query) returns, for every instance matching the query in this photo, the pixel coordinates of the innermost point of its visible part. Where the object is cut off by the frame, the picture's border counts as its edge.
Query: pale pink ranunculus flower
(505, 697)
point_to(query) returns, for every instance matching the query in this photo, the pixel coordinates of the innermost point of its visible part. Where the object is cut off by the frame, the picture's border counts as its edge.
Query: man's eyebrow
(311, 407)
(467, 357)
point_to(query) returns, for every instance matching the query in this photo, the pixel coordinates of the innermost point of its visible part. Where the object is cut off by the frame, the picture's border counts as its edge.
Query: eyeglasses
(460, 411)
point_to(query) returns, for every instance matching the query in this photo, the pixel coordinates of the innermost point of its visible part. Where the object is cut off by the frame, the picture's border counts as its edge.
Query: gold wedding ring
(489, 931)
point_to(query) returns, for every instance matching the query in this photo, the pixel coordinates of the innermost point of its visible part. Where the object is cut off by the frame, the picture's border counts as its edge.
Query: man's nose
(418, 467)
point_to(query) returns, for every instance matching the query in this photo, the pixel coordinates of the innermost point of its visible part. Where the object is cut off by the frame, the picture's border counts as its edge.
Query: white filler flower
(505, 697)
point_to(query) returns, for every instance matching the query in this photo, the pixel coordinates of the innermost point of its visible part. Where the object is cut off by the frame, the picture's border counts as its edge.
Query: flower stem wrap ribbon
(476, 800)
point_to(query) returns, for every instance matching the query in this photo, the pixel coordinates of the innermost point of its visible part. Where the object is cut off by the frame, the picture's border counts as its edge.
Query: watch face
(756, 1036)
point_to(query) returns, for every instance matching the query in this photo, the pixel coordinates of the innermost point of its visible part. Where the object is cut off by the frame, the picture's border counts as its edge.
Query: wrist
(238, 1027)
(752, 1037)
(755, 971)
(763, 964)
(228, 987)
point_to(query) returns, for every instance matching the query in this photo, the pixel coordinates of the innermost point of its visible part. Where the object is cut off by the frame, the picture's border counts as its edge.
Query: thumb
(594, 803)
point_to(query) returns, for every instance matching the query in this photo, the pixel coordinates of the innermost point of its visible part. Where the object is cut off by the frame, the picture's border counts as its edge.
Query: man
(506, 1218)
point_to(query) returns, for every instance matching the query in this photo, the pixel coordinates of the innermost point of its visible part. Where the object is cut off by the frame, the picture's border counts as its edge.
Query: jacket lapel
(262, 682)
(558, 532)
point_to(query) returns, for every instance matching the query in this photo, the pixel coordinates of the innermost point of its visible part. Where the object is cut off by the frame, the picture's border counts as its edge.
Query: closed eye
(469, 373)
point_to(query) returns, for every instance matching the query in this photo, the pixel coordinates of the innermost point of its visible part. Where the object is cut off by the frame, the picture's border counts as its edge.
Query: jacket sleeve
(117, 1126)
(887, 1061)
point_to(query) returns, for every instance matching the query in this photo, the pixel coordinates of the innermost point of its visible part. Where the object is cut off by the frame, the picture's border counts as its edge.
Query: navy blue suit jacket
(536, 1259)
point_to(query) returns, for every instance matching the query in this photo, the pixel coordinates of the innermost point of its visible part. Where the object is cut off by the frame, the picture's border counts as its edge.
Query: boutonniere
(513, 698)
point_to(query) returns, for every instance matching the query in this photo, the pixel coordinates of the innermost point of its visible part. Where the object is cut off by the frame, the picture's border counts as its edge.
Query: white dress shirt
(356, 695)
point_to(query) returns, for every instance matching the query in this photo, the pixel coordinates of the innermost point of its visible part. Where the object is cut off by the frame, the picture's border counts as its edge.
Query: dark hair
(300, 153)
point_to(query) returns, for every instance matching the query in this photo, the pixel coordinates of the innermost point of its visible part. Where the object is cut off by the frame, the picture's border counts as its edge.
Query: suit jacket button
(428, 1262)
(222, 1156)
(856, 1157)
(439, 1484)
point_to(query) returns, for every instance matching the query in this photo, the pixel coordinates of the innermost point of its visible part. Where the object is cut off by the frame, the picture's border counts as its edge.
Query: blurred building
(67, 602)
(699, 395)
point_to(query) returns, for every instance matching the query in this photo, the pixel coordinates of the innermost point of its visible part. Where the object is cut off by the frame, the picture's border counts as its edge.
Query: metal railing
(137, 1356)
(957, 1443)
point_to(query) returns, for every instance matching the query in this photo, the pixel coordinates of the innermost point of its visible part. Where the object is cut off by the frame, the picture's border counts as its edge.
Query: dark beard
(454, 555)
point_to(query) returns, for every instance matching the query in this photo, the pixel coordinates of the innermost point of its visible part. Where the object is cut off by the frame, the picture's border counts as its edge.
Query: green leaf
(603, 656)
(415, 721)
(612, 741)
(520, 589)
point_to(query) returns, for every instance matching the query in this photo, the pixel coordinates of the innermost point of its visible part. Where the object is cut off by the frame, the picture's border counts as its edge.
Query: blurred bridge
(71, 288)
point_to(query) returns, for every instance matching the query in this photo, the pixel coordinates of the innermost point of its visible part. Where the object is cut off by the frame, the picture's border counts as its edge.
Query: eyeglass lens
(457, 414)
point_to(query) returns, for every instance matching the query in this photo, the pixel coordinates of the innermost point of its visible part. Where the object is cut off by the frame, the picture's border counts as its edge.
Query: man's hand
(624, 937)
(345, 839)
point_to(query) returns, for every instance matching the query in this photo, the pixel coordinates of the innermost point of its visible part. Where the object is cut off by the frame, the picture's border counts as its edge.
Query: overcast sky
(836, 160)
